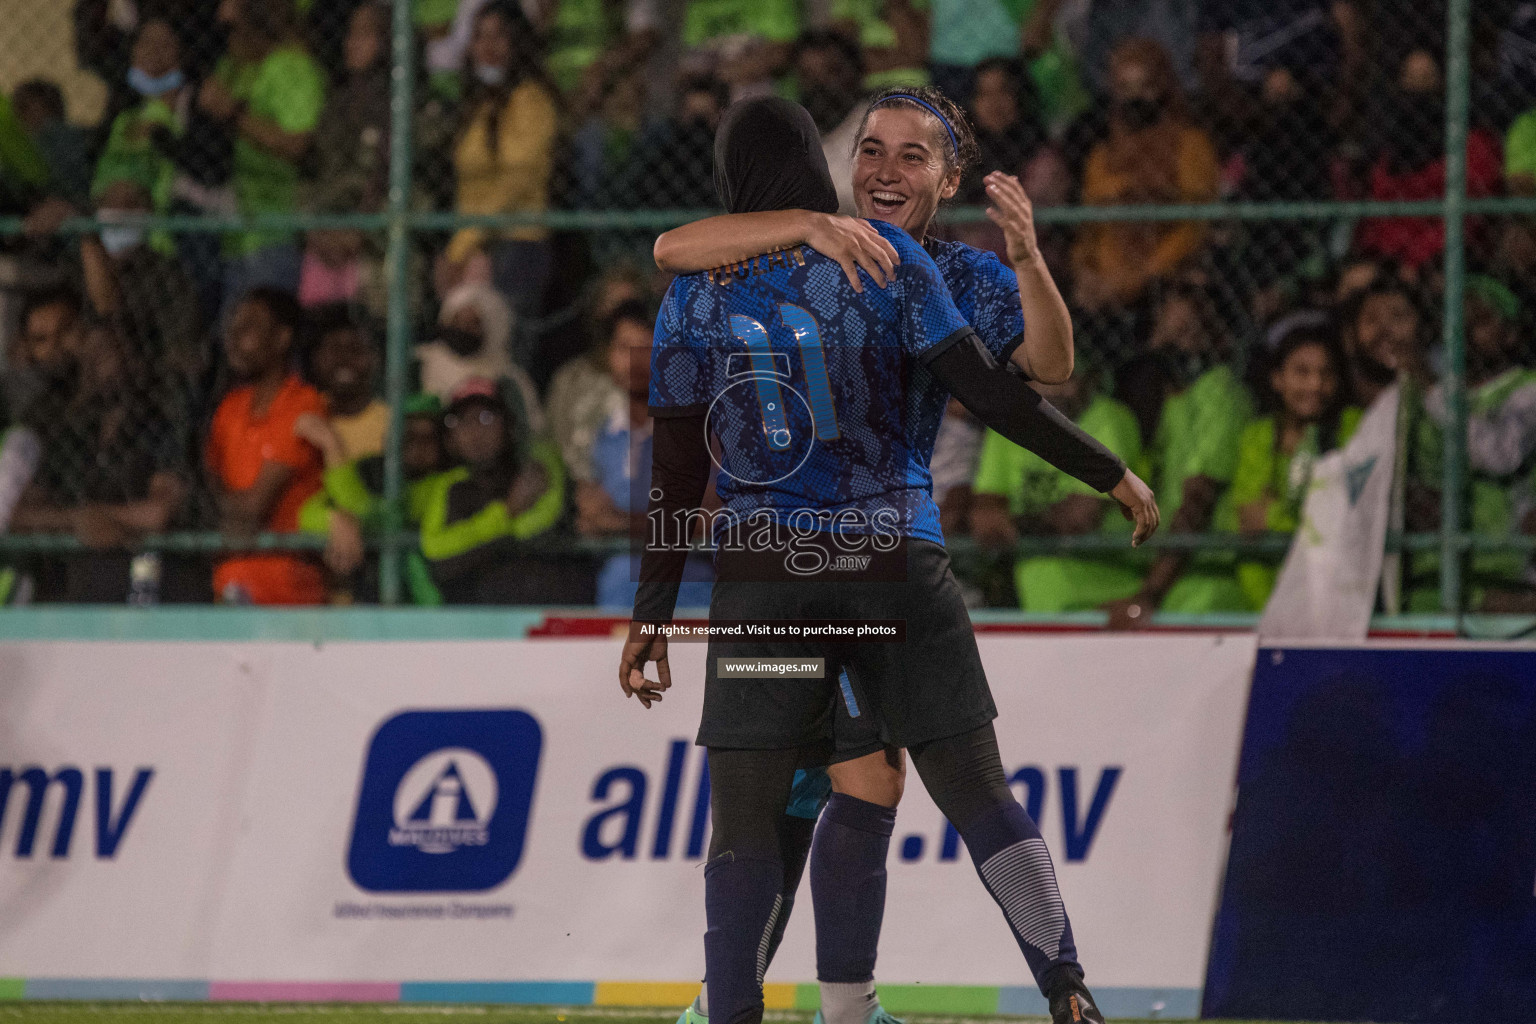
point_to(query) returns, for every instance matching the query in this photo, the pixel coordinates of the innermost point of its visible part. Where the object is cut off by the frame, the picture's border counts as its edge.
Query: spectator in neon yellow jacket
(1199, 407)
(131, 154)
(349, 507)
(1308, 417)
(476, 519)
(1015, 490)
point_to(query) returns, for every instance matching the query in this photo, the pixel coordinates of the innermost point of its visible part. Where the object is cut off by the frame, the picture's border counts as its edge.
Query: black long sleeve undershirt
(1004, 402)
(680, 461)
(679, 476)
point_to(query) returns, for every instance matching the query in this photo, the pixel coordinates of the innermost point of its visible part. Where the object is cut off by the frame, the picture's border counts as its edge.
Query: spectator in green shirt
(1501, 456)
(65, 147)
(269, 92)
(156, 78)
(963, 33)
(1516, 259)
(1200, 407)
(1016, 491)
(753, 40)
(1307, 417)
(23, 171)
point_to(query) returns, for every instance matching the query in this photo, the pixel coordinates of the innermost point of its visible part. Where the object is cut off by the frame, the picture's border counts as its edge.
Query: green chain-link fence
(1314, 146)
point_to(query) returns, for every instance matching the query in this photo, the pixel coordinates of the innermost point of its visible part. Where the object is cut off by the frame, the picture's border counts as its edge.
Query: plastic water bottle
(144, 579)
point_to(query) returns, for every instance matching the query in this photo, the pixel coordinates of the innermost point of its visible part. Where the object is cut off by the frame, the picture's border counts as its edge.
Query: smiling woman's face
(899, 172)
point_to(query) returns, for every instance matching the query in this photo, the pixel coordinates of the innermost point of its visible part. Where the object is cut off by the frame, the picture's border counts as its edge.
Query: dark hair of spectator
(285, 311)
(1204, 305)
(525, 63)
(628, 311)
(272, 23)
(386, 36)
(340, 316)
(959, 155)
(56, 296)
(1327, 339)
(511, 457)
(42, 93)
(1383, 285)
(1026, 95)
(831, 39)
(332, 317)
(1154, 57)
(718, 90)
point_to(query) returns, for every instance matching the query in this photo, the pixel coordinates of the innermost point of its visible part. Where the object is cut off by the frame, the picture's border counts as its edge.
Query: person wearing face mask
(1308, 416)
(1153, 155)
(685, 146)
(1192, 407)
(1409, 163)
(503, 156)
(157, 79)
(135, 280)
(1286, 150)
(474, 340)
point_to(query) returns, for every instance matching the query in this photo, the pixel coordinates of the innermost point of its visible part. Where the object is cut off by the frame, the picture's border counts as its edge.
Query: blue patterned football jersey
(985, 290)
(820, 396)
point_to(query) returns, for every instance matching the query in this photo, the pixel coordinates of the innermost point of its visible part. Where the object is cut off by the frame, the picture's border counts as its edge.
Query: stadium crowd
(197, 380)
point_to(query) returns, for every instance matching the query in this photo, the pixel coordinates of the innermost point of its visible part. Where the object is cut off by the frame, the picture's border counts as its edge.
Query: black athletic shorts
(928, 686)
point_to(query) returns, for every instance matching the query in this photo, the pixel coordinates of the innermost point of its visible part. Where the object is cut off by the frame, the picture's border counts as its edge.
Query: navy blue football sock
(1015, 866)
(848, 886)
(742, 902)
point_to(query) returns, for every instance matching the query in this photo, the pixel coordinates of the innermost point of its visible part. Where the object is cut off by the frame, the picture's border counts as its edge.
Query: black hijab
(768, 156)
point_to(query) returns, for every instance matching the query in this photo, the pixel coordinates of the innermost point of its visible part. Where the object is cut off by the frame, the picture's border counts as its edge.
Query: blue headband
(932, 110)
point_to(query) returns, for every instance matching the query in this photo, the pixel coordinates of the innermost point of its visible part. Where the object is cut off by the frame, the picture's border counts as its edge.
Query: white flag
(1327, 587)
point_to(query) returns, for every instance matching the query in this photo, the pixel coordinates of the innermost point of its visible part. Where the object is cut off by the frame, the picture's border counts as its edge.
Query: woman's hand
(527, 488)
(312, 427)
(1253, 518)
(855, 244)
(596, 513)
(991, 525)
(215, 100)
(632, 669)
(344, 547)
(1012, 211)
(1139, 505)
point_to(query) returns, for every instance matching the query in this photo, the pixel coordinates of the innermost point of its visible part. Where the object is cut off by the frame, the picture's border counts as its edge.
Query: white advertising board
(486, 811)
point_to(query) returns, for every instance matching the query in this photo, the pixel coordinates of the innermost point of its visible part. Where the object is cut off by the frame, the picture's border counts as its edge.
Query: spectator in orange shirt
(261, 469)
(1154, 154)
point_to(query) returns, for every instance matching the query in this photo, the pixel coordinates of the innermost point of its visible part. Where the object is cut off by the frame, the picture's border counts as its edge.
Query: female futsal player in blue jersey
(912, 150)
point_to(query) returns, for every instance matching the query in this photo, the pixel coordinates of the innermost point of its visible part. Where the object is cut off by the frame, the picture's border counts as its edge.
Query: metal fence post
(397, 345)
(1457, 88)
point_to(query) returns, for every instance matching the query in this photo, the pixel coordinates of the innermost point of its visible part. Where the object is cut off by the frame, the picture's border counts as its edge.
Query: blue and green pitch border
(958, 1000)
